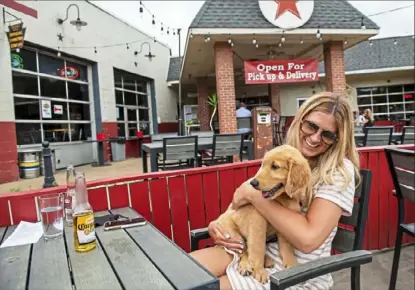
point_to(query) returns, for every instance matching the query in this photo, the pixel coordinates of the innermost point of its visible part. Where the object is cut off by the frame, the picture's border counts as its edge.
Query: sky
(179, 14)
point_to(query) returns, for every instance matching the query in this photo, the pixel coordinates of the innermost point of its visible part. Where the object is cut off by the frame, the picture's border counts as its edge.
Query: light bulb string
(156, 19)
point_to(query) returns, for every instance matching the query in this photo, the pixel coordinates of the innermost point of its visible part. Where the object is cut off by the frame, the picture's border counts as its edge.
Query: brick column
(334, 67)
(274, 93)
(225, 86)
(202, 103)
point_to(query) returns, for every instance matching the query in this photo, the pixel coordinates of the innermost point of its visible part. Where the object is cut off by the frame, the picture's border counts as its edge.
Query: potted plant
(213, 102)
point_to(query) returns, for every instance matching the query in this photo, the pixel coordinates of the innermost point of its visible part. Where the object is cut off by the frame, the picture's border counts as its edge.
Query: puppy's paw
(245, 267)
(290, 262)
(268, 262)
(261, 275)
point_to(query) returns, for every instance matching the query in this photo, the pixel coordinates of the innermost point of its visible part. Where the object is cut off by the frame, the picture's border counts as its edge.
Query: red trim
(19, 7)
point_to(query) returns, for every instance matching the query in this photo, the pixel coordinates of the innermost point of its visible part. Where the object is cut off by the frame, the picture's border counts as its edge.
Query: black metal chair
(408, 135)
(225, 146)
(348, 242)
(179, 153)
(402, 166)
(377, 136)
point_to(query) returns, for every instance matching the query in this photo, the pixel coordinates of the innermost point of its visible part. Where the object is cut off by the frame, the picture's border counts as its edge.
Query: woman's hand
(243, 195)
(222, 238)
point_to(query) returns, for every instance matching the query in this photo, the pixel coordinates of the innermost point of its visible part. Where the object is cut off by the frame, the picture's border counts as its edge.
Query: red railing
(177, 201)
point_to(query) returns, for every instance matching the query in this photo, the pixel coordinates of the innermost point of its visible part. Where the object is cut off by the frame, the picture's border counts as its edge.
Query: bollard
(47, 163)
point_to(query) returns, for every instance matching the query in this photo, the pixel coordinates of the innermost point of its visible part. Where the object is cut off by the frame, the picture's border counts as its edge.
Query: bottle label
(85, 228)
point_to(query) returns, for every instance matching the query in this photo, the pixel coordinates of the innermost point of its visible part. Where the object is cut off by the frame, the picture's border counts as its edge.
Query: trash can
(42, 165)
(118, 148)
(29, 165)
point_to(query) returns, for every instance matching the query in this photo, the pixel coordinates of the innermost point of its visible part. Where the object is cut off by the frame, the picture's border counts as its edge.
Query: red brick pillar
(274, 92)
(202, 103)
(225, 87)
(9, 170)
(334, 67)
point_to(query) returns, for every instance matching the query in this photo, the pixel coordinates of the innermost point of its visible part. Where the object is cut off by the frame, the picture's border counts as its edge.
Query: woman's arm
(306, 233)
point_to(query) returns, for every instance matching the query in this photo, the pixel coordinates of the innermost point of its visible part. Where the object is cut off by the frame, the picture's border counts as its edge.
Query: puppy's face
(283, 169)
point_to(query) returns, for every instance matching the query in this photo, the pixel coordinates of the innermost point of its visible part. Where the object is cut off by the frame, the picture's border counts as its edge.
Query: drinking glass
(51, 210)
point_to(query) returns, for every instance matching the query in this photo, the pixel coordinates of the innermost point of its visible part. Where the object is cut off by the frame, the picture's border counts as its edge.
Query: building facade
(65, 86)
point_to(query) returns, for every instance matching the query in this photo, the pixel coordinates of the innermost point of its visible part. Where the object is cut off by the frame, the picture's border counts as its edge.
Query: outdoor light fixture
(78, 22)
(149, 55)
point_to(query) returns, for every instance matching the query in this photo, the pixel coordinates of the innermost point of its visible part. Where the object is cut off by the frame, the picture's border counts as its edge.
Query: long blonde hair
(324, 165)
(369, 114)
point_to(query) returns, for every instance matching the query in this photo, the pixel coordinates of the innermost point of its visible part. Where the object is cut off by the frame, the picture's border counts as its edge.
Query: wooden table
(203, 143)
(134, 258)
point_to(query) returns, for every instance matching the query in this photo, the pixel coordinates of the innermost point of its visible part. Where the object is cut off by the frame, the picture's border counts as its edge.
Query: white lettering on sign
(268, 68)
(256, 76)
(301, 75)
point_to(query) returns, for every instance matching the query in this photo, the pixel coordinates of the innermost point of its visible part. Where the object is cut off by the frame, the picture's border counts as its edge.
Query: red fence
(177, 201)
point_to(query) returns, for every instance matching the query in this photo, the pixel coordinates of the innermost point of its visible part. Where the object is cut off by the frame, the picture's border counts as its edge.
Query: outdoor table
(359, 137)
(133, 258)
(154, 148)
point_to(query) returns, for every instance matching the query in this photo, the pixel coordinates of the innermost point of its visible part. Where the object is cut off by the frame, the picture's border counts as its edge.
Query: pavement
(131, 166)
(376, 275)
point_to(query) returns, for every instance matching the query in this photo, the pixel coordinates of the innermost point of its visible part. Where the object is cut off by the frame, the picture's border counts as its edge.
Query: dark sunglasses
(310, 128)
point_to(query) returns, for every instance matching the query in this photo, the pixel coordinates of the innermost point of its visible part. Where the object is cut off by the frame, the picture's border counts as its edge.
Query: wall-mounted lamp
(149, 55)
(78, 22)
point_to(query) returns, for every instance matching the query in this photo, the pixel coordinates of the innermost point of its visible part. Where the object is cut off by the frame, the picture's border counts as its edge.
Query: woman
(368, 119)
(322, 131)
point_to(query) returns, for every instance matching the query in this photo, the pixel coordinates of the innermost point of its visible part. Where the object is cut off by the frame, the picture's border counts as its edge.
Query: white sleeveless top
(333, 193)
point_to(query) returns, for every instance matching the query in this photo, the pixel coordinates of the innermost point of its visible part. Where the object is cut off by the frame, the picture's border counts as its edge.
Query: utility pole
(178, 33)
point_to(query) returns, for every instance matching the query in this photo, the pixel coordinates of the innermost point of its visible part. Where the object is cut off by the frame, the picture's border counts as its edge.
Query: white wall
(102, 29)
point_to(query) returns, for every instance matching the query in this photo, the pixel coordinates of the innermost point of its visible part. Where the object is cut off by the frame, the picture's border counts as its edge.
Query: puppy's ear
(298, 179)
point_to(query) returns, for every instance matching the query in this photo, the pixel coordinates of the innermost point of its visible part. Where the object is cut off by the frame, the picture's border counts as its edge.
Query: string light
(395, 42)
(318, 35)
(363, 24)
(154, 20)
(254, 40)
(301, 41)
(95, 50)
(59, 52)
(283, 37)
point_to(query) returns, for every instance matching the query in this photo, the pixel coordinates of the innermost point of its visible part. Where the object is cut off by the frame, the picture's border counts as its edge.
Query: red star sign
(287, 5)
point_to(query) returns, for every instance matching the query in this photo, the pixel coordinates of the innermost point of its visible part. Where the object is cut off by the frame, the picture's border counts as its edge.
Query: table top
(202, 141)
(133, 258)
(395, 134)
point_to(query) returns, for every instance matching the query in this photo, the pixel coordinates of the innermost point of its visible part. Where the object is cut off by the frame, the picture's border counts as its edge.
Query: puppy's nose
(255, 183)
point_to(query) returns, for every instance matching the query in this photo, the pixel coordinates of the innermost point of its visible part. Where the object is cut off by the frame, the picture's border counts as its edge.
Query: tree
(213, 102)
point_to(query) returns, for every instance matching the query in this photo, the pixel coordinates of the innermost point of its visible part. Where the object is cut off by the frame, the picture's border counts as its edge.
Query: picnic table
(154, 148)
(133, 258)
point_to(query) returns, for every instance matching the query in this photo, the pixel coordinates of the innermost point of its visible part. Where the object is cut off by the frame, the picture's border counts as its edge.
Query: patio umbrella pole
(180, 107)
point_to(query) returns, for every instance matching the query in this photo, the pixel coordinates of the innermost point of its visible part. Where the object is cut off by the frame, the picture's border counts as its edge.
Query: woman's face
(312, 145)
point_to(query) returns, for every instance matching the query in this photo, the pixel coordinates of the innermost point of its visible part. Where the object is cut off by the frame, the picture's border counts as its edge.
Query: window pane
(379, 99)
(78, 92)
(79, 70)
(142, 101)
(141, 86)
(118, 97)
(378, 90)
(121, 129)
(25, 84)
(79, 112)
(364, 101)
(363, 91)
(395, 98)
(117, 79)
(26, 109)
(28, 133)
(131, 115)
(25, 59)
(55, 132)
(50, 65)
(396, 117)
(129, 82)
(380, 109)
(143, 114)
(409, 107)
(396, 108)
(132, 130)
(145, 127)
(80, 132)
(52, 88)
(120, 113)
(130, 99)
(395, 89)
(409, 88)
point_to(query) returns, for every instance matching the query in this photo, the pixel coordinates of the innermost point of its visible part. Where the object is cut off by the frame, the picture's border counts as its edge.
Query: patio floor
(377, 274)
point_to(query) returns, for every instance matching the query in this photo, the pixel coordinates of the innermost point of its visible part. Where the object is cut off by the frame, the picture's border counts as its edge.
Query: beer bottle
(70, 194)
(83, 217)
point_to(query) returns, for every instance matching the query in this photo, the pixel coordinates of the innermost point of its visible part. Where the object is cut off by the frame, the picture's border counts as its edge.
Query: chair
(244, 125)
(349, 242)
(202, 134)
(179, 153)
(225, 146)
(402, 166)
(159, 137)
(408, 135)
(377, 136)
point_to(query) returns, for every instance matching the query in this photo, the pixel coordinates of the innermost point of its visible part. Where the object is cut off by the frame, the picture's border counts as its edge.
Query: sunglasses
(310, 128)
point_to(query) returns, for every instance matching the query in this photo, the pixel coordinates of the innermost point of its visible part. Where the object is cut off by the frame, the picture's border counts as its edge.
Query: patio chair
(402, 166)
(348, 242)
(202, 134)
(408, 135)
(377, 136)
(161, 136)
(225, 146)
(244, 126)
(179, 153)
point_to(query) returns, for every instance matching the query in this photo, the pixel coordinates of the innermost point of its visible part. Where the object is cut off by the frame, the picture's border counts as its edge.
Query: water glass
(51, 210)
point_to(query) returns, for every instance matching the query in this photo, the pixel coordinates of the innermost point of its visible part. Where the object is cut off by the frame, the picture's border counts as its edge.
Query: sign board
(17, 61)
(58, 109)
(264, 118)
(281, 71)
(69, 72)
(287, 14)
(16, 35)
(46, 109)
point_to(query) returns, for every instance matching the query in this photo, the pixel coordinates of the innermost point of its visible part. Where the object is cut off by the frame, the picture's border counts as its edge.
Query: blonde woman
(368, 119)
(323, 131)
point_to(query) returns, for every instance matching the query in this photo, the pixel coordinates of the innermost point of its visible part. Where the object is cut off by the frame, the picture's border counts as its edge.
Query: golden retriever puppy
(284, 177)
